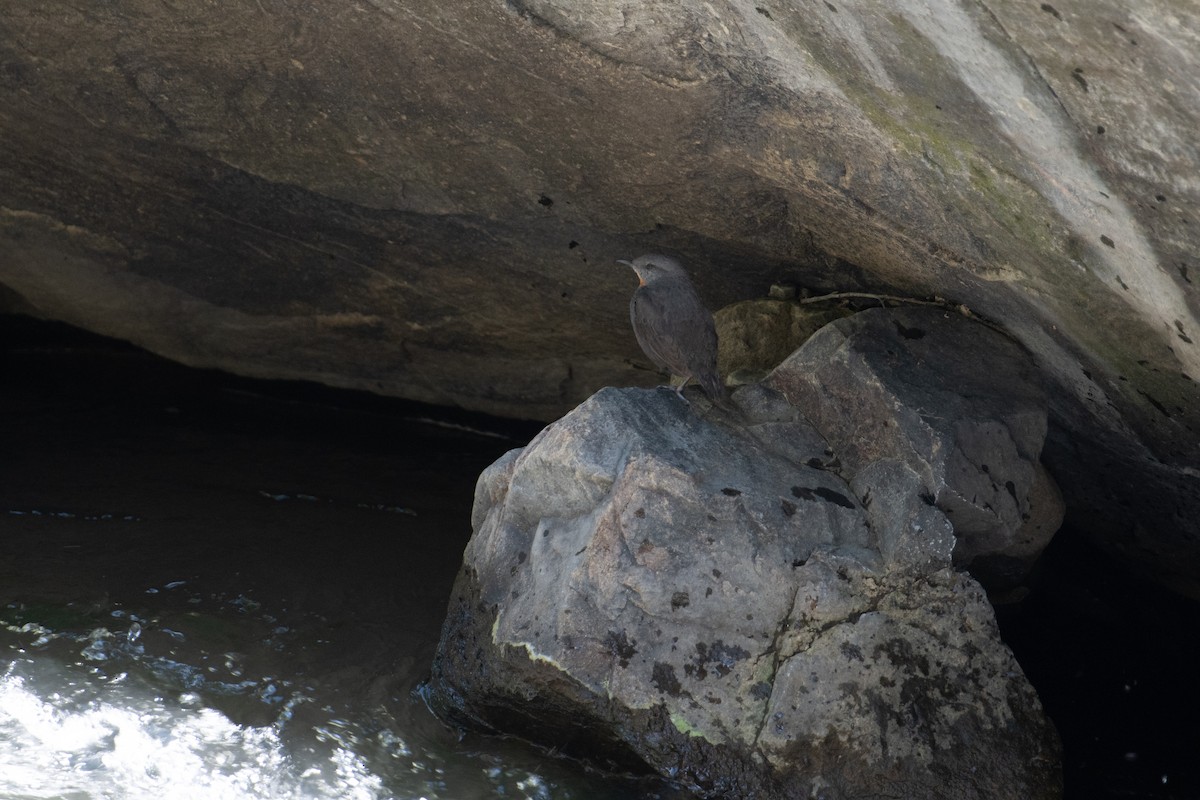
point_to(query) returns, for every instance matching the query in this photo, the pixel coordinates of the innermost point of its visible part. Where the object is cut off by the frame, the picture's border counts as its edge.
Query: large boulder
(949, 400)
(657, 584)
(424, 199)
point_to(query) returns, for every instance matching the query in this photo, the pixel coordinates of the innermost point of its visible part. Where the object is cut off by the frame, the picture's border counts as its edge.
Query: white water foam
(117, 742)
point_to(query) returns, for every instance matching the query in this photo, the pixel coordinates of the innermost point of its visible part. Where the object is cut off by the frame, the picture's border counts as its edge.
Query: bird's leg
(679, 389)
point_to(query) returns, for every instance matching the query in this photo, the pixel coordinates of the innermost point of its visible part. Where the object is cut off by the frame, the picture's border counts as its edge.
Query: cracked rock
(669, 588)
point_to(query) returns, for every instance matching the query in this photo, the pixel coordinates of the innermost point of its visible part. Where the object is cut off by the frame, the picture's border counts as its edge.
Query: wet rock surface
(703, 593)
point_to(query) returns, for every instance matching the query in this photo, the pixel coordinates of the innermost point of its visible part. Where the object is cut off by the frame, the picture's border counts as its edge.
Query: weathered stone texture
(424, 199)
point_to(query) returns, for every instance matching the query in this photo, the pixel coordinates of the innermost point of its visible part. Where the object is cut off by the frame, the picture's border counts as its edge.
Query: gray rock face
(424, 199)
(951, 400)
(647, 585)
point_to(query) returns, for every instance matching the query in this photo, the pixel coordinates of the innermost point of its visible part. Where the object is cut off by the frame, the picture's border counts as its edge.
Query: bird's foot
(678, 390)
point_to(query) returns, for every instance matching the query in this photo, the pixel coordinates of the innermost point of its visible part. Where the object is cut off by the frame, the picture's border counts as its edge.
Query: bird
(672, 325)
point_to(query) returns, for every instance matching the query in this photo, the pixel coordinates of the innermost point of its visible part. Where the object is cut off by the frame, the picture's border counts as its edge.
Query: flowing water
(206, 592)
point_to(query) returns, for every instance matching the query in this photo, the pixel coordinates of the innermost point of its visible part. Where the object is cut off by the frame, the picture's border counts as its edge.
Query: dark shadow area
(1114, 659)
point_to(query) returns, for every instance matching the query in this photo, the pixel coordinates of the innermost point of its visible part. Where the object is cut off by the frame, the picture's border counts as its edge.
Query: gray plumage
(672, 325)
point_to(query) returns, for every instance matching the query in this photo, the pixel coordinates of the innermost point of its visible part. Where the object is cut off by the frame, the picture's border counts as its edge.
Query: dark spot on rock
(799, 562)
(1087, 374)
(662, 677)
(1100, 129)
(581, 550)
(843, 574)
(1182, 334)
(909, 333)
(764, 12)
(831, 6)
(824, 494)
(1012, 489)
(1161, 408)
(884, 680)
(620, 646)
(1162, 198)
(718, 655)
(835, 497)
(1077, 74)
(760, 690)
(900, 653)
(640, 513)
(571, 245)
(986, 469)
(1051, 10)
(708, 592)
(851, 651)
(728, 492)
(789, 508)
(1107, 241)
(817, 463)
(545, 201)
(927, 498)
(848, 689)
(521, 557)
(680, 600)
(716, 573)
(1183, 271)
(545, 533)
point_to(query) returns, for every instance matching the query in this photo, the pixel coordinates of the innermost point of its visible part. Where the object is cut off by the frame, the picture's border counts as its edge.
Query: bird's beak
(641, 280)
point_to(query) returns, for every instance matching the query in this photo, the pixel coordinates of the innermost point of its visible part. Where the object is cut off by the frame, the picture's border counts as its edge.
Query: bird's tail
(714, 387)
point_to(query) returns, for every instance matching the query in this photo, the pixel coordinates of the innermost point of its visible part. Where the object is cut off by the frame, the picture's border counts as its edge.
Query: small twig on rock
(891, 298)
(961, 308)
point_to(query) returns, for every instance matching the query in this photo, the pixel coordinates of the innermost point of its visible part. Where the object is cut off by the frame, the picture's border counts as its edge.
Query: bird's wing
(655, 330)
(701, 355)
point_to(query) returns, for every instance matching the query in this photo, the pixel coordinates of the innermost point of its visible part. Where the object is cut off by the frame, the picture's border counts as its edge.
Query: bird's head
(652, 267)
